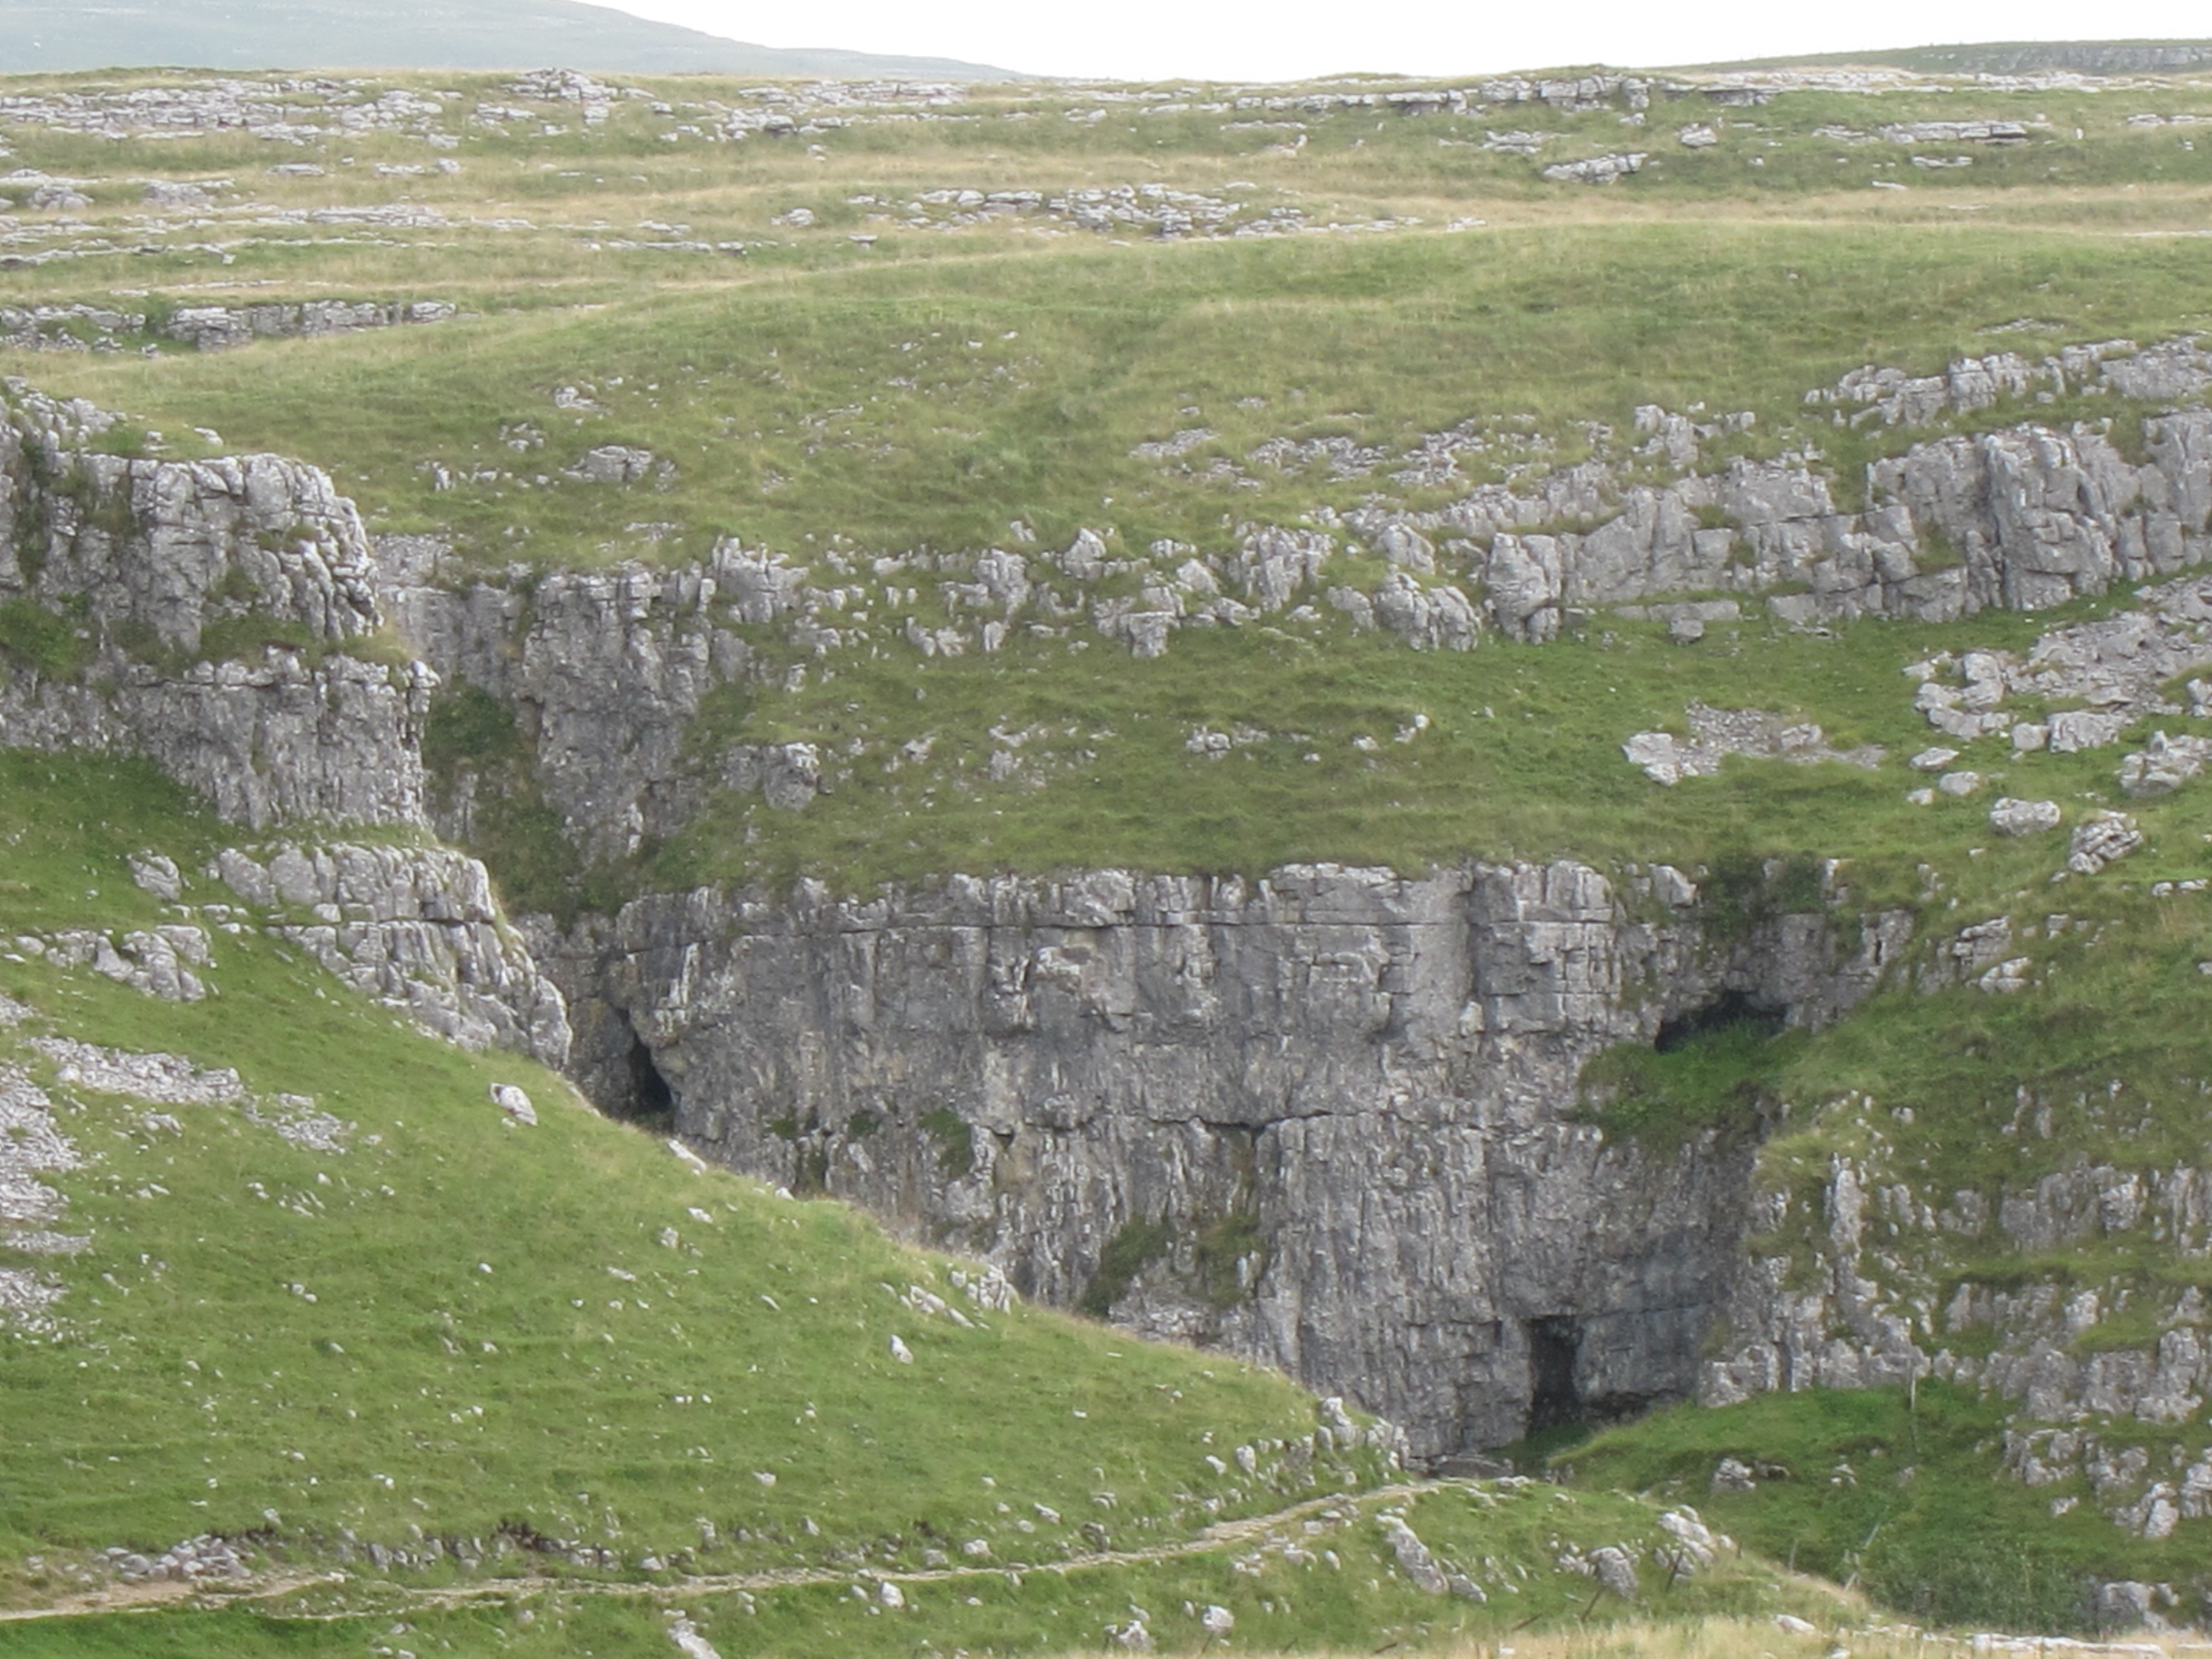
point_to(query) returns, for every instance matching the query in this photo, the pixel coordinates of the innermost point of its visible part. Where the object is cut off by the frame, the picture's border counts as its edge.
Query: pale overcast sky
(1283, 39)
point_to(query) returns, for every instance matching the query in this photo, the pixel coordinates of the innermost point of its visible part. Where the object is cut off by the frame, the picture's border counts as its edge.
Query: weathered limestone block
(418, 928)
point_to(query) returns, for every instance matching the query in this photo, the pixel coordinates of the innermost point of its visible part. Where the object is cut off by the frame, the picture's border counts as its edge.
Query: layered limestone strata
(1327, 1120)
(415, 927)
(2018, 520)
(202, 615)
(152, 575)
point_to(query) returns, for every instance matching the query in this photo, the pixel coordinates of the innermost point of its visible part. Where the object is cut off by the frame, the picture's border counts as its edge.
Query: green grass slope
(498, 1336)
(464, 1342)
(1903, 1495)
(2100, 1062)
(458, 1323)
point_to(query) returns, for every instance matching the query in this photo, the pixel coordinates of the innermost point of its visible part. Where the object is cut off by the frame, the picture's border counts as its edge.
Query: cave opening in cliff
(1554, 1400)
(650, 1101)
(1733, 1012)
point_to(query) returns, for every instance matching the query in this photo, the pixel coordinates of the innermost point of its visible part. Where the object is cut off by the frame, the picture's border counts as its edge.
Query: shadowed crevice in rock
(1572, 1376)
(647, 1098)
(651, 1101)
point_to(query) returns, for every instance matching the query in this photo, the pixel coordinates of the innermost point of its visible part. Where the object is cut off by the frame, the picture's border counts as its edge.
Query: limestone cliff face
(1890, 1283)
(2017, 519)
(202, 615)
(1327, 1119)
(605, 671)
(1891, 1293)
(415, 927)
(139, 562)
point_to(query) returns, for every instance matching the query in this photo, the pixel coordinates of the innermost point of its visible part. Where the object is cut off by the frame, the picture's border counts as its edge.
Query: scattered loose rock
(169, 1079)
(2105, 838)
(2164, 765)
(515, 1103)
(1597, 170)
(1717, 733)
(1413, 1557)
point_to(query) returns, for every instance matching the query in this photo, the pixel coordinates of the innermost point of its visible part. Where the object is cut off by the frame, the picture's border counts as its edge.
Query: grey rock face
(152, 961)
(2164, 764)
(152, 555)
(606, 672)
(205, 328)
(2104, 839)
(418, 929)
(265, 744)
(170, 547)
(1867, 1319)
(2021, 519)
(215, 328)
(1344, 1100)
(614, 464)
(1598, 170)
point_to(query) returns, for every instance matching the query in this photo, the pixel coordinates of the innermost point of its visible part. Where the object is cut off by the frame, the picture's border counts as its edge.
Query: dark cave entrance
(1560, 1413)
(648, 1100)
(1554, 1400)
(1731, 1011)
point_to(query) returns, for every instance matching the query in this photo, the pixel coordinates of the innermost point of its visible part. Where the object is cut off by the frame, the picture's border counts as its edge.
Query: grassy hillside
(564, 1327)
(822, 347)
(1904, 1496)
(1187, 311)
(359, 1307)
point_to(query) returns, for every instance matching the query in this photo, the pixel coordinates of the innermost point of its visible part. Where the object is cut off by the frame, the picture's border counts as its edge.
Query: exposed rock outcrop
(1327, 1119)
(418, 928)
(2023, 518)
(1867, 1313)
(202, 614)
(208, 328)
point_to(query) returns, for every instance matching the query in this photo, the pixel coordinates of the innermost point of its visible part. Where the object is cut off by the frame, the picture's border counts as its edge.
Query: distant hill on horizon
(2014, 58)
(61, 35)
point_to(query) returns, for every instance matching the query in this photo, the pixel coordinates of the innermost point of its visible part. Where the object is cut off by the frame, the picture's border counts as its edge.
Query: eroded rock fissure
(650, 1100)
(1555, 1400)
